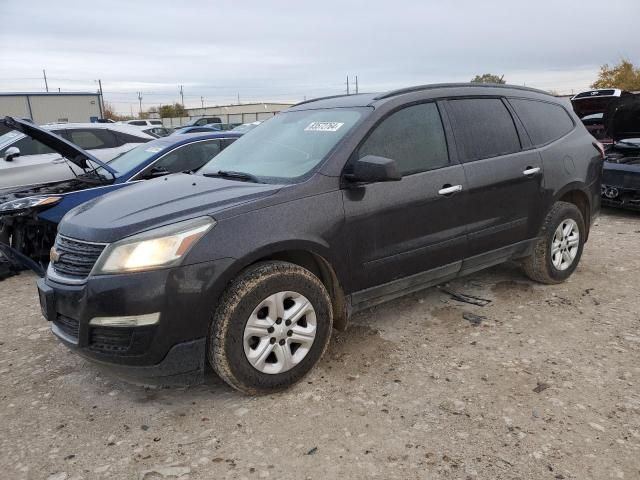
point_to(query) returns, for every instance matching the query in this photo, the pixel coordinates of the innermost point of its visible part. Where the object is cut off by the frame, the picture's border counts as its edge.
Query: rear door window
(91, 139)
(413, 137)
(483, 128)
(544, 122)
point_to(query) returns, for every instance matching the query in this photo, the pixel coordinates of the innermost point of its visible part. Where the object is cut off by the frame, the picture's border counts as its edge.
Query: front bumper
(621, 197)
(171, 351)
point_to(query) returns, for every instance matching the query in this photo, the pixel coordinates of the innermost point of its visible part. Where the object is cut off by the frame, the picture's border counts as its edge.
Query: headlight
(158, 248)
(28, 202)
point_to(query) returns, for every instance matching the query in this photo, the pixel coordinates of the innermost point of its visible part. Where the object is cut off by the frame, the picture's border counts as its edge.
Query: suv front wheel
(559, 247)
(270, 328)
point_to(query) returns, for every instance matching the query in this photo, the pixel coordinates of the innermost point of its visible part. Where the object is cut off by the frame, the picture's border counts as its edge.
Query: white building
(242, 113)
(50, 107)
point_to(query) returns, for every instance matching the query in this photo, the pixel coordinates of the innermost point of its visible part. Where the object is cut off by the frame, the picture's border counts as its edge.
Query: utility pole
(140, 100)
(101, 98)
(202, 102)
(347, 84)
(182, 95)
(356, 84)
(238, 98)
(46, 85)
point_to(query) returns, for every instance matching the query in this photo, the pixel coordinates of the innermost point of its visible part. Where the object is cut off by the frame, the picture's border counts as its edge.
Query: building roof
(51, 94)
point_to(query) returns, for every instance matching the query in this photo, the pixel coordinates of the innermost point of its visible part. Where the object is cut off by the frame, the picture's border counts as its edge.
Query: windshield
(288, 146)
(126, 161)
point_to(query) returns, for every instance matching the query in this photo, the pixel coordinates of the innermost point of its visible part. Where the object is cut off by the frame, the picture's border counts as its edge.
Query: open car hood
(622, 118)
(65, 148)
(590, 105)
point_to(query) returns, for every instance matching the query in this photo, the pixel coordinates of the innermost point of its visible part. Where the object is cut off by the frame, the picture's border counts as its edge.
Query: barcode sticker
(323, 127)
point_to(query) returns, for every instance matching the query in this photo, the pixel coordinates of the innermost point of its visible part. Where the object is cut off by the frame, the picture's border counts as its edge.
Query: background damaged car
(591, 106)
(621, 171)
(29, 217)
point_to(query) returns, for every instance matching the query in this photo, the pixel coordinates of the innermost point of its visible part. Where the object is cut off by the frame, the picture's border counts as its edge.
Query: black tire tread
(535, 266)
(230, 300)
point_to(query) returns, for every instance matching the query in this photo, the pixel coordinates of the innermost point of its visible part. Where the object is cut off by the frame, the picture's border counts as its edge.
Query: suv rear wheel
(270, 328)
(559, 248)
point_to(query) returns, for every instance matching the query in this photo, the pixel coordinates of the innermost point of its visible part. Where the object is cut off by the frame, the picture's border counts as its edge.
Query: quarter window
(483, 128)
(544, 122)
(413, 137)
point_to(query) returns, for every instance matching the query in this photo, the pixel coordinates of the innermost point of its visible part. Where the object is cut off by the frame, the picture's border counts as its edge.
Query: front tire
(271, 326)
(559, 247)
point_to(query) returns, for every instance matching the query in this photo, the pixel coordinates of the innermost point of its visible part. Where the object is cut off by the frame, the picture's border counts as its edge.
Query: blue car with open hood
(29, 217)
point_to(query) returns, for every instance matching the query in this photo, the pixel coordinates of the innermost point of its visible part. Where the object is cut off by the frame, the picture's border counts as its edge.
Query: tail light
(600, 147)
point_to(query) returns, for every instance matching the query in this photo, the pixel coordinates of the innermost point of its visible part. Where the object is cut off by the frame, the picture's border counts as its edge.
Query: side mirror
(372, 169)
(11, 153)
(156, 172)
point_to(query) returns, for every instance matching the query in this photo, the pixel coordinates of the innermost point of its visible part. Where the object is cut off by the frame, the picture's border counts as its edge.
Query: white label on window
(323, 127)
(153, 149)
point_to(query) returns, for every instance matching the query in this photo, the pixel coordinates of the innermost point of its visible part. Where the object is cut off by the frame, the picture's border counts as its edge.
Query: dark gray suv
(335, 205)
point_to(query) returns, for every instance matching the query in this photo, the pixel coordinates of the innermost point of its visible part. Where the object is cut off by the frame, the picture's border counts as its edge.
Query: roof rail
(418, 88)
(319, 98)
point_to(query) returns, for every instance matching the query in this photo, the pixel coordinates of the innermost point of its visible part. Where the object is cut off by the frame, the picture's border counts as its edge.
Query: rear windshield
(288, 146)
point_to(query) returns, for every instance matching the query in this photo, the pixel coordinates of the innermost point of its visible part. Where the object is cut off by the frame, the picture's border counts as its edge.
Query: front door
(406, 233)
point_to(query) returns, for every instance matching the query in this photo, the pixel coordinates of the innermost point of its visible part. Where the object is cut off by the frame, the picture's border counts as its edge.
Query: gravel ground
(545, 387)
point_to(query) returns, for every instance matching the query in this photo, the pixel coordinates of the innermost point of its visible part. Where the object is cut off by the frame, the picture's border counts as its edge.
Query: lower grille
(110, 340)
(75, 258)
(67, 325)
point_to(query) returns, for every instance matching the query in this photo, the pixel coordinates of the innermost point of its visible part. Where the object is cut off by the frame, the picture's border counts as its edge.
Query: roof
(47, 94)
(190, 137)
(372, 99)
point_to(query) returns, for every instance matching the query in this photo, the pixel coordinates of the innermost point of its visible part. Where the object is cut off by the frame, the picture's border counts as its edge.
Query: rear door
(504, 176)
(400, 230)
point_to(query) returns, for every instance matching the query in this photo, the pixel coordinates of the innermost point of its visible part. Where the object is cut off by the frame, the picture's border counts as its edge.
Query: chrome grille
(75, 258)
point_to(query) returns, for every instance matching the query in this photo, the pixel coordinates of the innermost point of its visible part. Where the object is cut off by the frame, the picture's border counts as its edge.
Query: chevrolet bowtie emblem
(54, 256)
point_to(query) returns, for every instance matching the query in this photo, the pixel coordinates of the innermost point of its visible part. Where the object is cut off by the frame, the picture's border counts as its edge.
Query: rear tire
(271, 326)
(559, 247)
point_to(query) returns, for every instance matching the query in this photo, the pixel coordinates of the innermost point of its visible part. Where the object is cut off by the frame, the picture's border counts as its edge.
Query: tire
(248, 305)
(543, 266)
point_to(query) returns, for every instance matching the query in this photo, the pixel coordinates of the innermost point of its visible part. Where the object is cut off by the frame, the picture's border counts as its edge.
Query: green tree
(489, 78)
(110, 113)
(175, 110)
(624, 76)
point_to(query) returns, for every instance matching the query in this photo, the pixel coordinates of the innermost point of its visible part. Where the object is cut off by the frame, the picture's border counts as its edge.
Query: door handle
(449, 189)
(531, 171)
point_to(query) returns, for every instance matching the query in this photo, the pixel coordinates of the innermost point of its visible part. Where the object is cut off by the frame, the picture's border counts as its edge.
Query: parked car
(158, 132)
(590, 107)
(330, 207)
(245, 127)
(25, 161)
(203, 129)
(29, 217)
(143, 123)
(202, 121)
(621, 172)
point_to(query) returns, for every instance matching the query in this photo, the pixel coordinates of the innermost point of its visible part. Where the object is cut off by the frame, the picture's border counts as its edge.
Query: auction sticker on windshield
(323, 126)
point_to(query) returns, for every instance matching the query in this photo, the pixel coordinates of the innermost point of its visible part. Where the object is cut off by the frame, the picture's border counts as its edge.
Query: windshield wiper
(243, 176)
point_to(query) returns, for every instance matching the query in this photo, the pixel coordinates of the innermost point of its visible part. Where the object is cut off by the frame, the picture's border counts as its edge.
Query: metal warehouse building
(52, 106)
(242, 113)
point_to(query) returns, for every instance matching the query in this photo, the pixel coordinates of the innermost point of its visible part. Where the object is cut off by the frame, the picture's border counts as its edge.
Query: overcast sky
(287, 50)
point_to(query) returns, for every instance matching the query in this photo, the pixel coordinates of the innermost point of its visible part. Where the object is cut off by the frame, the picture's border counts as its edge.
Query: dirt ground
(547, 386)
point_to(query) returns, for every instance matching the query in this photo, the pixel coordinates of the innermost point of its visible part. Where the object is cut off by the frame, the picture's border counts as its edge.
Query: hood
(154, 203)
(589, 105)
(69, 150)
(622, 118)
